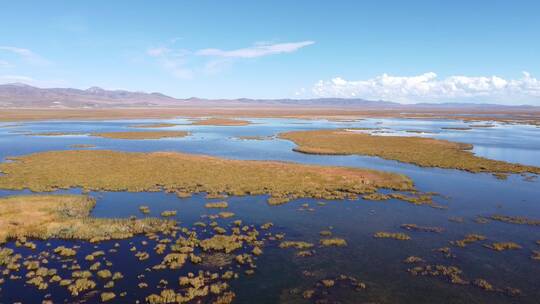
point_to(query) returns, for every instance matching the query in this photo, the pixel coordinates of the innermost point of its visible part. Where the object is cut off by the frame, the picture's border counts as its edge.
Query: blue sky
(408, 51)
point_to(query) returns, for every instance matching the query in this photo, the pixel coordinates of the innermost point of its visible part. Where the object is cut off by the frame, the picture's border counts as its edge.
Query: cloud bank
(428, 87)
(187, 63)
(258, 50)
(26, 54)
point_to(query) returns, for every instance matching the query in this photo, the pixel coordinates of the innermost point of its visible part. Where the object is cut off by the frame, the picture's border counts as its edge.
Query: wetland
(207, 215)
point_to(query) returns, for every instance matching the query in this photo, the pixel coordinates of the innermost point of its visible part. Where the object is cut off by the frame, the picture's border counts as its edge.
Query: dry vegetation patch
(424, 152)
(66, 217)
(183, 173)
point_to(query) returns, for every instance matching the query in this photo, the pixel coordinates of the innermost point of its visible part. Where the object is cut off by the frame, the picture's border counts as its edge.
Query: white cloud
(185, 63)
(257, 50)
(4, 64)
(173, 61)
(429, 88)
(26, 54)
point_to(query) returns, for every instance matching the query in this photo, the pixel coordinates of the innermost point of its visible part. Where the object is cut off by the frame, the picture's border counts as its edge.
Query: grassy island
(424, 152)
(66, 217)
(103, 170)
(142, 134)
(221, 122)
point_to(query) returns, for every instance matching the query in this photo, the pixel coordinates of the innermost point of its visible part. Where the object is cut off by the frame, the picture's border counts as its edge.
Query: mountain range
(17, 95)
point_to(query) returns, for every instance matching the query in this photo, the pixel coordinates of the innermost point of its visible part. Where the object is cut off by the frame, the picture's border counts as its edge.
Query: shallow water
(377, 262)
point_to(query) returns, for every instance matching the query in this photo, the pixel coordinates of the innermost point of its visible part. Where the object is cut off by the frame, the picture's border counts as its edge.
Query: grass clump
(168, 213)
(107, 296)
(333, 242)
(414, 227)
(420, 151)
(469, 238)
(519, 220)
(502, 246)
(296, 244)
(392, 235)
(216, 205)
(141, 134)
(178, 172)
(66, 217)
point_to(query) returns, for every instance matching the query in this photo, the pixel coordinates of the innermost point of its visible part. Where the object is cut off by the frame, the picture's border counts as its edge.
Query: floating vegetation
(392, 235)
(319, 292)
(451, 273)
(420, 151)
(469, 239)
(66, 217)
(226, 214)
(446, 251)
(414, 227)
(144, 209)
(107, 296)
(333, 242)
(413, 260)
(454, 275)
(168, 213)
(502, 246)
(216, 205)
(177, 172)
(296, 244)
(520, 220)
(220, 122)
(325, 233)
(142, 134)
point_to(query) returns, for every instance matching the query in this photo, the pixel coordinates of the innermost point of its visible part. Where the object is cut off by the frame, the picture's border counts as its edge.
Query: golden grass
(184, 173)
(67, 217)
(424, 152)
(221, 122)
(141, 134)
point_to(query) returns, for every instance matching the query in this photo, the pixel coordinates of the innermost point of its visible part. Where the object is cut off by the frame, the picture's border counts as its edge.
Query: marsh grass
(66, 217)
(424, 152)
(101, 170)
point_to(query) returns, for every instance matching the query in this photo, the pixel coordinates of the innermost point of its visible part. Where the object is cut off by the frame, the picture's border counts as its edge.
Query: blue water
(376, 262)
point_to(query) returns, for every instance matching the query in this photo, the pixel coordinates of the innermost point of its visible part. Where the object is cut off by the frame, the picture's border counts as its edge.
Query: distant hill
(18, 95)
(22, 95)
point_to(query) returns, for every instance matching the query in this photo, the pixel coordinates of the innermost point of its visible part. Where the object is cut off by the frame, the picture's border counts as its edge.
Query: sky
(403, 51)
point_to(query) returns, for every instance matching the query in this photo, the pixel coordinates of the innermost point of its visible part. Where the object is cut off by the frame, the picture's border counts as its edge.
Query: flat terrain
(424, 152)
(521, 117)
(185, 173)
